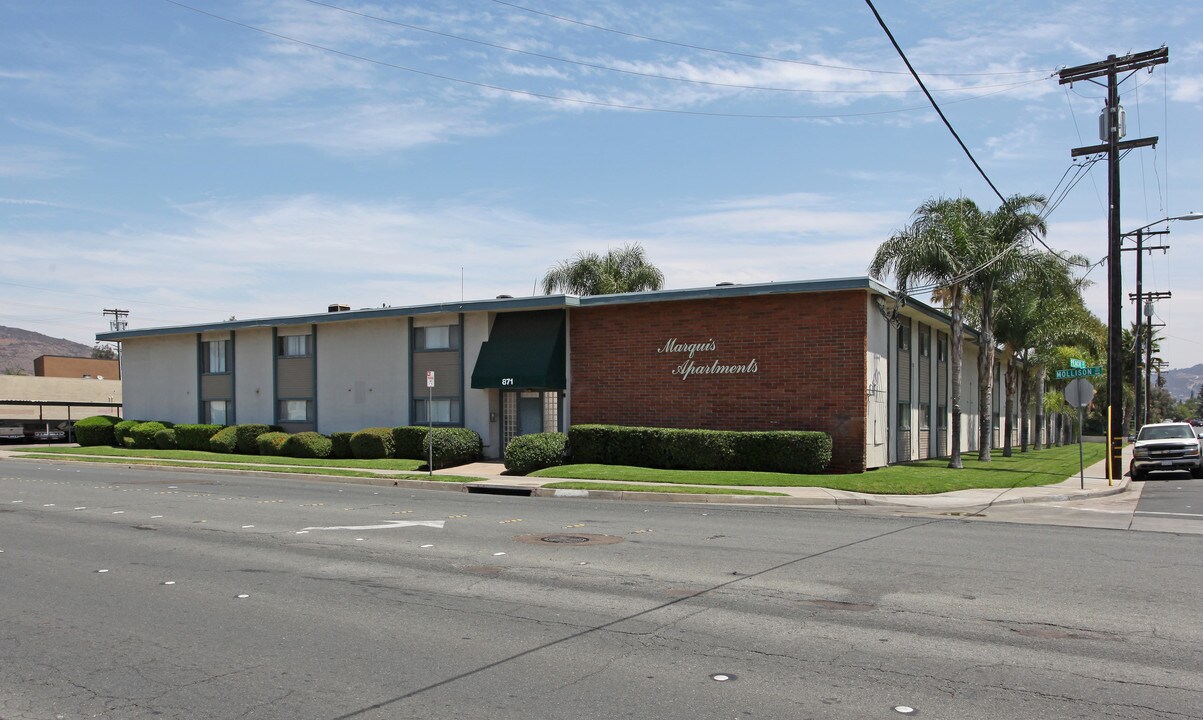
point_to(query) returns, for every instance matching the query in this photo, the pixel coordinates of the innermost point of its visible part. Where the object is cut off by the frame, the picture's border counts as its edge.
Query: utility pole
(1140, 411)
(117, 324)
(1111, 127)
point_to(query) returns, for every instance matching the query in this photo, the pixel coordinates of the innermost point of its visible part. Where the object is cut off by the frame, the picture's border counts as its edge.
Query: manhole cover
(568, 539)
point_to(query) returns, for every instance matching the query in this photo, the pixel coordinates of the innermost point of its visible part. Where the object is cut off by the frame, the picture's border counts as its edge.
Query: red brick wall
(809, 350)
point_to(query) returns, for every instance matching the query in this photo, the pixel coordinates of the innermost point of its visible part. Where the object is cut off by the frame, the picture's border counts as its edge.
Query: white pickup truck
(1166, 446)
(12, 432)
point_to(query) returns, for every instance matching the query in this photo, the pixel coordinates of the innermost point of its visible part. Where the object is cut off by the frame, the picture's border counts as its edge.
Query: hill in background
(1184, 382)
(19, 347)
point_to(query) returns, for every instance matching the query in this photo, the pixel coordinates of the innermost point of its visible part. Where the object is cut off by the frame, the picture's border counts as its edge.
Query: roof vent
(505, 297)
(724, 284)
(339, 307)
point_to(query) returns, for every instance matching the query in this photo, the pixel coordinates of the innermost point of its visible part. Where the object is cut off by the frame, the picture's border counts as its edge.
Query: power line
(743, 54)
(560, 98)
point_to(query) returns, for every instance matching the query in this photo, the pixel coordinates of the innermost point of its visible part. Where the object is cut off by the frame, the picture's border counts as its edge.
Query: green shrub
(269, 443)
(787, 451)
(410, 442)
(165, 439)
(195, 437)
(455, 446)
(372, 443)
(144, 434)
(96, 430)
(121, 432)
(224, 440)
(307, 445)
(340, 445)
(528, 453)
(247, 437)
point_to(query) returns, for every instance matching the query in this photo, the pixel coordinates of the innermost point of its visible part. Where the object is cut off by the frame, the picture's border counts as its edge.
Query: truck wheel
(1196, 472)
(1138, 474)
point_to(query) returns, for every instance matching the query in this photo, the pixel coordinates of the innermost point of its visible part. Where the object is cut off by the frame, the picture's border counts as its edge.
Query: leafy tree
(104, 351)
(618, 271)
(940, 247)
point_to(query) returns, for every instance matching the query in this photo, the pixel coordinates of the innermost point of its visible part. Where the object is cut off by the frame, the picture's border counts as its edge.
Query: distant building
(76, 367)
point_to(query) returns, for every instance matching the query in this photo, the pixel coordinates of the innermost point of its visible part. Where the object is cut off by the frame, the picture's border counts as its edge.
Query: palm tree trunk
(1039, 429)
(1009, 405)
(985, 379)
(956, 358)
(1025, 404)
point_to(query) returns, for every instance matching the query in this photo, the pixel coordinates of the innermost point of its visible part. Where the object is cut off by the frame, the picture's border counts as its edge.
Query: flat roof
(543, 302)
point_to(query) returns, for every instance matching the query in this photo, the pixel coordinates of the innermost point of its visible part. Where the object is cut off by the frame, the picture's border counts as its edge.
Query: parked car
(14, 432)
(1166, 446)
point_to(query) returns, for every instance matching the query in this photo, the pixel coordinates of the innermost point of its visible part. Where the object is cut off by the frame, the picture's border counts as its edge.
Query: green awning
(525, 351)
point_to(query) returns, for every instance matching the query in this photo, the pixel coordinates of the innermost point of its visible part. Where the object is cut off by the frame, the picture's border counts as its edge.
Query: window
(942, 348)
(442, 337)
(904, 338)
(924, 416)
(942, 416)
(294, 345)
(442, 410)
(924, 341)
(296, 411)
(904, 417)
(214, 354)
(217, 412)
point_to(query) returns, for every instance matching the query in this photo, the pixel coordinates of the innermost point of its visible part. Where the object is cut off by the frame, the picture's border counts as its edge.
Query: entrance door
(530, 413)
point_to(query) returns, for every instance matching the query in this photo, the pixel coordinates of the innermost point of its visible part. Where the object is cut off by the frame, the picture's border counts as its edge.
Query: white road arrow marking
(389, 524)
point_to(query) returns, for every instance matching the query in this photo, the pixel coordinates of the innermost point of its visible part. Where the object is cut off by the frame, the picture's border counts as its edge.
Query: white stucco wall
(480, 405)
(159, 378)
(877, 413)
(253, 358)
(362, 375)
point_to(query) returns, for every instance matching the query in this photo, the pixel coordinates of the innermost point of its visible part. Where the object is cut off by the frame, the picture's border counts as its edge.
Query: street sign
(1079, 393)
(1080, 372)
(1076, 363)
(430, 378)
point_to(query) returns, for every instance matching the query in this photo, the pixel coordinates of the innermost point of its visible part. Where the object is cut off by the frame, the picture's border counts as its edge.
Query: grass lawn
(1044, 467)
(248, 465)
(624, 487)
(389, 464)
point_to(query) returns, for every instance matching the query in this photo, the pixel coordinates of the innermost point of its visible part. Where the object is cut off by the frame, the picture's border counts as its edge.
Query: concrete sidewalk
(493, 480)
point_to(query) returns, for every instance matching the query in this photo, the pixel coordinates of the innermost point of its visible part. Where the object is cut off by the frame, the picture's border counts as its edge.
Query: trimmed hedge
(786, 451)
(143, 434)
(165, 439)
(528, 453)
(247, 437)
(224, 440)
(269, 443)
(96, 430)
(373, 443)
(195, 437)
(306, 445)
(410, 442)
(455, 446)
(340, 445)
(121, 431)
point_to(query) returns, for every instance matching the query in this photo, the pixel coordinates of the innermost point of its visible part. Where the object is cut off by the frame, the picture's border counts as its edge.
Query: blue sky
(288, 154)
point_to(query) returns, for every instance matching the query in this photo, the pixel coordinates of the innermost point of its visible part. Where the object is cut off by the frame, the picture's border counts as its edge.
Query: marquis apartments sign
(692, 366)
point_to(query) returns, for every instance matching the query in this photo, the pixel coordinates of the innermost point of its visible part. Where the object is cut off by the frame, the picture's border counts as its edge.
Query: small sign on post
(430, 423)
(1079, 394)
(1076, 363)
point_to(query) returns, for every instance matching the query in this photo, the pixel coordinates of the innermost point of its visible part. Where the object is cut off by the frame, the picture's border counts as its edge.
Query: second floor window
(293, 345)
(214, 357)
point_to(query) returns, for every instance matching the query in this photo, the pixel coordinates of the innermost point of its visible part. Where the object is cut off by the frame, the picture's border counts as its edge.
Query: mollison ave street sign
(1080, 372)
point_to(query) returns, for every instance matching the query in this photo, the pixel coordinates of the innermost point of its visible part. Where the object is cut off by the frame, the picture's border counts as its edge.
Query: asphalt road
(1171, 496)
(227, 596)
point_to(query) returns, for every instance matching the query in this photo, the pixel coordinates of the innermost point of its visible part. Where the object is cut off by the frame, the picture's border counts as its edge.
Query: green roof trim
(525, 351)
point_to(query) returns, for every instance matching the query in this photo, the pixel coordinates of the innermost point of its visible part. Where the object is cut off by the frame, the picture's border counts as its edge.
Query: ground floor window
(296, 411)
(436, 411)
(904, 417)
(924, 416)
(217, 412)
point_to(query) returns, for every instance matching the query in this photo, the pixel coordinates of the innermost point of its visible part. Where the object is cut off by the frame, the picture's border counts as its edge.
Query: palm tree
(618, 271)
(938, 247)
(1034, 313)
(1010, 230)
